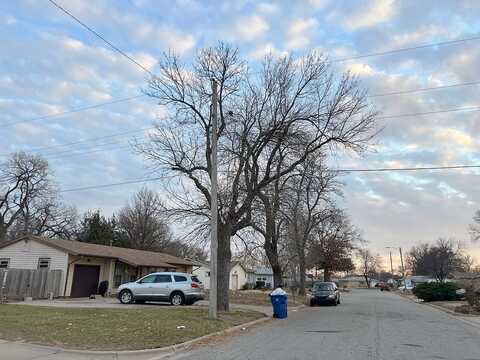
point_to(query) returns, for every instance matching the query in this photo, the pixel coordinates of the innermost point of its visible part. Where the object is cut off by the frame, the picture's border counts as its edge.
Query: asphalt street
(367, 325)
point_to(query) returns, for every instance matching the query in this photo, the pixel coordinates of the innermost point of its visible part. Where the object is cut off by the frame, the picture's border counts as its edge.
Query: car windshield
(322, 287)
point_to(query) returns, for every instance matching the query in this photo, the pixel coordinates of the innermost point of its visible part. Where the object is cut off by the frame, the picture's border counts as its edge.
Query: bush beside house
(436, 291)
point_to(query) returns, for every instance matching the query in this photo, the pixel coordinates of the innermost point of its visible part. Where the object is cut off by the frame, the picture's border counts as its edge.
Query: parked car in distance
(325, 293)
(383, 286)
(176, 288)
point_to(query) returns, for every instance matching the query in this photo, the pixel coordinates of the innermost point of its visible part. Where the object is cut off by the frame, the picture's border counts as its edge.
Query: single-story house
(238, 274)
(261, 274)
(85, 265)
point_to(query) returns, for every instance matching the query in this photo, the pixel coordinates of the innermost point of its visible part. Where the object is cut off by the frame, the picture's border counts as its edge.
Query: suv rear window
(195, 279)
(179, 278)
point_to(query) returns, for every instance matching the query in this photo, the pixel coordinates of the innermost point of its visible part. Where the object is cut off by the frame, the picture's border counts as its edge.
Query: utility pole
(391, 263)
(212, 303)
(403, 269)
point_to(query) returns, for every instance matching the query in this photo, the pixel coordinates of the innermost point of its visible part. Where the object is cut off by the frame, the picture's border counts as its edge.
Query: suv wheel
(177, 299)
(126, 297)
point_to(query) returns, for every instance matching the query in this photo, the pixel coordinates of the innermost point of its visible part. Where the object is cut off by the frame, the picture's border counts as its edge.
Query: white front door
(235, 282)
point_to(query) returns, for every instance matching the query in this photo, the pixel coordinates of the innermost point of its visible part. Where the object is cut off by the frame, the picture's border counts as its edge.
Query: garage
(85, 280)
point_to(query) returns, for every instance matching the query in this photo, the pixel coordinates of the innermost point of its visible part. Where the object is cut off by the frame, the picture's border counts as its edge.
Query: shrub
(248, 286)
(473, 297)
(436, 291)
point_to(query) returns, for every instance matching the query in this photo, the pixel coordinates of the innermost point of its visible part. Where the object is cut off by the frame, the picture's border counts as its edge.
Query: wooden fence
(38, 284)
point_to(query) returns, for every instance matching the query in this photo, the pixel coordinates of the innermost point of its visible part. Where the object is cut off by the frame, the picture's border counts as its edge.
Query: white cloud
(318, 4)
(422, 34)
(250, 28)
(267, 8)
(265, 49)
(361, 69)
(299, 33)
(170, 38)
(377, 12)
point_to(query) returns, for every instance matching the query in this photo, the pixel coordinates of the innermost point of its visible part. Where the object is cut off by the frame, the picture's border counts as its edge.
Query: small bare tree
(142, 222)
(24, 179)
(370, 264)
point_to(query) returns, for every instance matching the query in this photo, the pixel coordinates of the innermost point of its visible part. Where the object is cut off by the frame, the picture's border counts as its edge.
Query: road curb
(450, 313)
(170, 349)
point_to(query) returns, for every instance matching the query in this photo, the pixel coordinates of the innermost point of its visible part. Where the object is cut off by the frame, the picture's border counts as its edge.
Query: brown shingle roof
(130, 256)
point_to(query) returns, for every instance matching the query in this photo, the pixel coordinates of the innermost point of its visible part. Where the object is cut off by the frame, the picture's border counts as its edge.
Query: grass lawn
(257, 297)
(112, 329)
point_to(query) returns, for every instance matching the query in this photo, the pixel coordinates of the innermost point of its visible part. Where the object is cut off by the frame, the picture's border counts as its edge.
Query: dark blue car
(325, 293)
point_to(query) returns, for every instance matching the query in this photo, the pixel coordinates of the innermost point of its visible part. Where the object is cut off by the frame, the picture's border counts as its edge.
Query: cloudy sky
(50, 65)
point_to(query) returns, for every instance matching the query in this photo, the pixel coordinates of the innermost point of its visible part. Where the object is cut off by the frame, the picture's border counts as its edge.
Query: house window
(44, 263)
(207, 273)
(4, 263)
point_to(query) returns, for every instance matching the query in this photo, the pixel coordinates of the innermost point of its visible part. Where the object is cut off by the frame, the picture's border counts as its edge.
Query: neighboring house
(85, 265)
(238, 274)
(261, 274)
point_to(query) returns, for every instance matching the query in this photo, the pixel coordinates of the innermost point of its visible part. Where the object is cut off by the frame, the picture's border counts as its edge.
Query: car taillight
(194, 285)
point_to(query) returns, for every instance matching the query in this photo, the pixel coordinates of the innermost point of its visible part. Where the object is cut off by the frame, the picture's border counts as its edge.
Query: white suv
(177, 288)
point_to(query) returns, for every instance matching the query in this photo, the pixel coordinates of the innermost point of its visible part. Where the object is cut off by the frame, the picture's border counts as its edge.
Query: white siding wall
(238, 271)
(202, 275)
(25, 255)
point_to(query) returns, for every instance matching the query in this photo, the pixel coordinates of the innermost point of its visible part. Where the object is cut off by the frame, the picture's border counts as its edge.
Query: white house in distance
(239, 275)
(85, 265)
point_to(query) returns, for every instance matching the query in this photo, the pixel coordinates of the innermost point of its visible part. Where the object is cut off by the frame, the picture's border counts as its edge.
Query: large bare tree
(47, 217)
(24, 180)
(269, 123)
(142, 223)
(308, 203)
(334, 240)
(439, 260)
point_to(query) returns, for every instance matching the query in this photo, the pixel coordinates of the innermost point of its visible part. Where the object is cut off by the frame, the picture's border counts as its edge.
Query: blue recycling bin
(279, 303)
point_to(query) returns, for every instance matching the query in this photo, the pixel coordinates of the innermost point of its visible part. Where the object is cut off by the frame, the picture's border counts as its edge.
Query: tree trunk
(327, 275)
(3, 233)
(223, 267)
(272, 255)
(301, 265)
(367, 280)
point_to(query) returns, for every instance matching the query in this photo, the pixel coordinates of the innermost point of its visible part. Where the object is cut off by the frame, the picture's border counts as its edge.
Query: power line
(425, 89)
(117, 184)
(88, 140)
(112, 46)
(417, 47)
(471, 108)
(428, 168)
(73, 110)
(475, 108)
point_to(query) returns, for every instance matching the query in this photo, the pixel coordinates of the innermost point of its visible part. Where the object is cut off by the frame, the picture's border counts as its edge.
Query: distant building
(238, 274)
